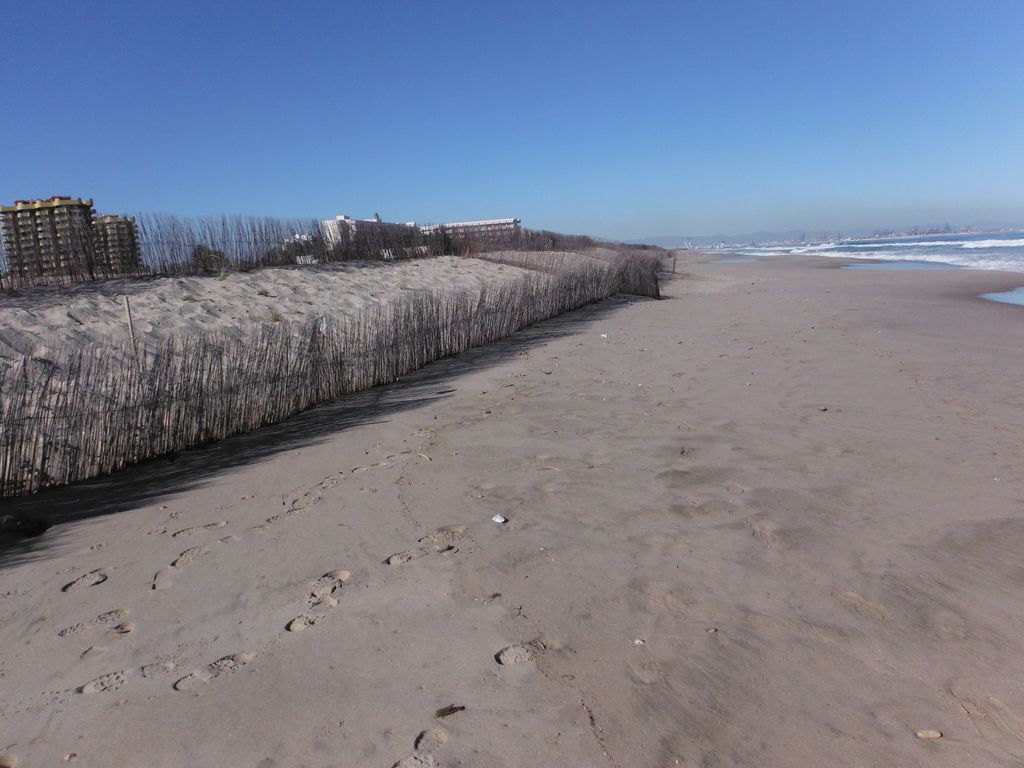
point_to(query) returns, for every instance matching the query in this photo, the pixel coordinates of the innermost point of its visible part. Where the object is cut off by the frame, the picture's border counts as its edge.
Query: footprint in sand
(514, 654)
(91, 579)
(768, 533)
(104, 618)
(104, 683)
(483, 489)
(325, 589)
(862, 605)
(222, 666)
(442, 540)
(189, 556)
(990, 715)
(401, 558)
(428, 742)
(321, 595)
(298, 505)
(303, 622)
(520, 653)
(416, 761)
(331, 480)
(164, 579)
(198, 528)
(158, 668)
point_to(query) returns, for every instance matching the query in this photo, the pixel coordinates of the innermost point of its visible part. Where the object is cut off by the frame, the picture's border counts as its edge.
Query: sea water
(975, 250)
(1016, 296)
(901, 265)
(982, 250)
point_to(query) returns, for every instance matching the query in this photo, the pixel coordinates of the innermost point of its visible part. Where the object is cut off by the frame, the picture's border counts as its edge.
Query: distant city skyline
(594, 118)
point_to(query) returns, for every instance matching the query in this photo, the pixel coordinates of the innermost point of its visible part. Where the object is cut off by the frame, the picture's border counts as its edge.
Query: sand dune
(33, 322)
(772, 520)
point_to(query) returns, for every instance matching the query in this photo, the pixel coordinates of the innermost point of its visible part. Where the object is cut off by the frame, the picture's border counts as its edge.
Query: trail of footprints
(165, 577)
(321, 595)
(113, 681)
(303, 503)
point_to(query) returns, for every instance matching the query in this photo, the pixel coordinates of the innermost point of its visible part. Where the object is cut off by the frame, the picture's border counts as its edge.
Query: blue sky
(597, 117)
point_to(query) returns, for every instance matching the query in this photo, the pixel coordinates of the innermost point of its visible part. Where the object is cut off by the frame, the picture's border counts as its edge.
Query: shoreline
(772, 519)
(1003, 280)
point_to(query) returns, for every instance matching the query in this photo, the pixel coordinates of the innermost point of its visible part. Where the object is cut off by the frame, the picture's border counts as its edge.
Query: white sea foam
(979, 252)
(1008, 264)
(902, 244)
(994, 244)
(971, 244)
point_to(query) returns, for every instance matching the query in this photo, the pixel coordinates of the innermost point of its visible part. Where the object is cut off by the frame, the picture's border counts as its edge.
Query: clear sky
(621, 120)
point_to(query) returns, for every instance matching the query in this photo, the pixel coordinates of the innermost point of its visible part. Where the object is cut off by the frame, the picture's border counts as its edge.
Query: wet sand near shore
(774, 519)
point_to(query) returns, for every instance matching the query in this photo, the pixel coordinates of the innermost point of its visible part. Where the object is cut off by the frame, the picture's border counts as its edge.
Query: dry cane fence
(95, 409)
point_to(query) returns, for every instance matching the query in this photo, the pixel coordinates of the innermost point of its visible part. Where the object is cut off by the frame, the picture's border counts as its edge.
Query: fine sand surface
(772, 520)
(33, 322)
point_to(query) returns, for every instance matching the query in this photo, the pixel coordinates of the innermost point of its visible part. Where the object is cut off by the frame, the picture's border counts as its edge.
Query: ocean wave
(1005, 264)
(960, 243)
(990, 252)
(783, 250)
(903, 244)
(994, 244)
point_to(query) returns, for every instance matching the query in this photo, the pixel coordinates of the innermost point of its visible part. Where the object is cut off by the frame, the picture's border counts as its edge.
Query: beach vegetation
(91, 409)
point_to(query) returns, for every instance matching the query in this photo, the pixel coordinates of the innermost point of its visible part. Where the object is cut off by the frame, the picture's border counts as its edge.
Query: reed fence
(95, 409)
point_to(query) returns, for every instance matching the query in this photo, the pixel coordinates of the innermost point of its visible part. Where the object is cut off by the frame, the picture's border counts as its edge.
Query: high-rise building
(52, 237)
(117, 244)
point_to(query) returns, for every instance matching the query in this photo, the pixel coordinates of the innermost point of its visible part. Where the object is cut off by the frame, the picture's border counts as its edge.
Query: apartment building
(116, 241)
(51, 237)
(488, 230)
(61, 237)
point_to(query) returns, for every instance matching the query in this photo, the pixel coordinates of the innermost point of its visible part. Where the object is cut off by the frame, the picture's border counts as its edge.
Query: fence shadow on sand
(152, 480)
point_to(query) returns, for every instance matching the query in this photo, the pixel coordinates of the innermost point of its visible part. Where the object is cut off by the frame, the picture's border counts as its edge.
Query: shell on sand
(929, 733)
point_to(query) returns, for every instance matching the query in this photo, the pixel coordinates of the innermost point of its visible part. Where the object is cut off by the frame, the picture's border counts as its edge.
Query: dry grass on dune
(93, 409)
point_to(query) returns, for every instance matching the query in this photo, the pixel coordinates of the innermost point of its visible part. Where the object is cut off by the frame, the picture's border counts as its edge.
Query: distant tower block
(117, 244)
(49, 238)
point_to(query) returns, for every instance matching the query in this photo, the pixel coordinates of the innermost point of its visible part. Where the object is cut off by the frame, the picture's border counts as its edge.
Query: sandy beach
(773, 519)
